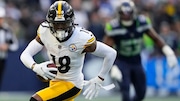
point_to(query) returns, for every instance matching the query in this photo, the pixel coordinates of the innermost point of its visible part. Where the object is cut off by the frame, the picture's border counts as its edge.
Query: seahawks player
(66, 46)
(125, 34)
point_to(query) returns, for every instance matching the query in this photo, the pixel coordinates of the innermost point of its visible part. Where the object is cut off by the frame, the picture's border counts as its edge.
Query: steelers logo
(72, 47)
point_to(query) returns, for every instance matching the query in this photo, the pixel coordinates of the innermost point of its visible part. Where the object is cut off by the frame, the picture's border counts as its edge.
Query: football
(51, 65)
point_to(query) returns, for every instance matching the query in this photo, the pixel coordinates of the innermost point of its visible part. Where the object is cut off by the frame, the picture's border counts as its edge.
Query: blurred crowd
(24, 17)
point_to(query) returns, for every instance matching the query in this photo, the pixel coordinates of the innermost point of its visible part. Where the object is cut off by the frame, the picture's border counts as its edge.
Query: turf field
(16, 96)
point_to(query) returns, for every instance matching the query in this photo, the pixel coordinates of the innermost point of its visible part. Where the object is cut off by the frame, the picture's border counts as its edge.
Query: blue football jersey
(128, 40)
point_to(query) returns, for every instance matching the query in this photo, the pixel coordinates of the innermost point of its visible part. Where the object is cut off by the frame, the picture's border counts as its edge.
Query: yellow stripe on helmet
(59, 9)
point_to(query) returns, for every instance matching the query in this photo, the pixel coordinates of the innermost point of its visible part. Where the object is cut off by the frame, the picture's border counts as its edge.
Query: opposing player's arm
(166, 49)
(156, 38)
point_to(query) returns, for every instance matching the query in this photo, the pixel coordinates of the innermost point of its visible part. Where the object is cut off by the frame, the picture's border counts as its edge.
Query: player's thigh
(138, 78)
(138, 74)
(125, 70)
(59, 91)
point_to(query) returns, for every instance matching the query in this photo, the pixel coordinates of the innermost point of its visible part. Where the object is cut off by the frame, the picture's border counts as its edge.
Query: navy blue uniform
(128, 43)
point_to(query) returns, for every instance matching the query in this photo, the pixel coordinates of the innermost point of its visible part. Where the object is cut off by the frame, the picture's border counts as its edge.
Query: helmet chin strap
(127, 23)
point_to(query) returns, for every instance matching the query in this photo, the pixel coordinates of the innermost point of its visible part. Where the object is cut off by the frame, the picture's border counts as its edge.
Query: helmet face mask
(62, 30)
(61, 25)
(60, 17)
(126, 13)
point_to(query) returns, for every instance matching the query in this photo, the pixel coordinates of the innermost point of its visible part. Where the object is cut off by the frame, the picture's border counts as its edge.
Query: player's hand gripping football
(93, 88)
(44, 71)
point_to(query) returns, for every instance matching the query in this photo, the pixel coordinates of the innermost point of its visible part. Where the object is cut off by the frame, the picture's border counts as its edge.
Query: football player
(125, 33)
(66, 46)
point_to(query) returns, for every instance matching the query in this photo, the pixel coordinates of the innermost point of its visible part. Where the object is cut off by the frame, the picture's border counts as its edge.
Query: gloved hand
(93, 88)
(170, 56)
(172, 60)
(43, 71)
(115, 73)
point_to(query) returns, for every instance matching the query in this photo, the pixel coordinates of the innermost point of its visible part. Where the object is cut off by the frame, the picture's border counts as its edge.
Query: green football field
(16, 96)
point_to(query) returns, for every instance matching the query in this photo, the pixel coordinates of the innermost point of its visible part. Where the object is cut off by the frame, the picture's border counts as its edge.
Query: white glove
(93, 88)
(170, 56)
(172, 61)
(115, 73)
(43, 71)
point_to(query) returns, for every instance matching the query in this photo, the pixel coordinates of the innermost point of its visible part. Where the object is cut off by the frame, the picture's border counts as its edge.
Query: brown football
(52, 65)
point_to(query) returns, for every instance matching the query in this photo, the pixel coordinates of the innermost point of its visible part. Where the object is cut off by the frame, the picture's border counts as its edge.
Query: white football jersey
(67, 55)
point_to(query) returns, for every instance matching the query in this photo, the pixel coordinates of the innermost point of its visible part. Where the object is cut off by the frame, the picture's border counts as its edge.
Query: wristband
(32, 67)
(101, 78)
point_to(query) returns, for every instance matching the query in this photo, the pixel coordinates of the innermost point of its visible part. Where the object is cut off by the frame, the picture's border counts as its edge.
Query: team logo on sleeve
(72, 47)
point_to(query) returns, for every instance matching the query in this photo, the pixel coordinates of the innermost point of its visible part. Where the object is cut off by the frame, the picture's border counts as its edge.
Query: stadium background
(24, 16)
